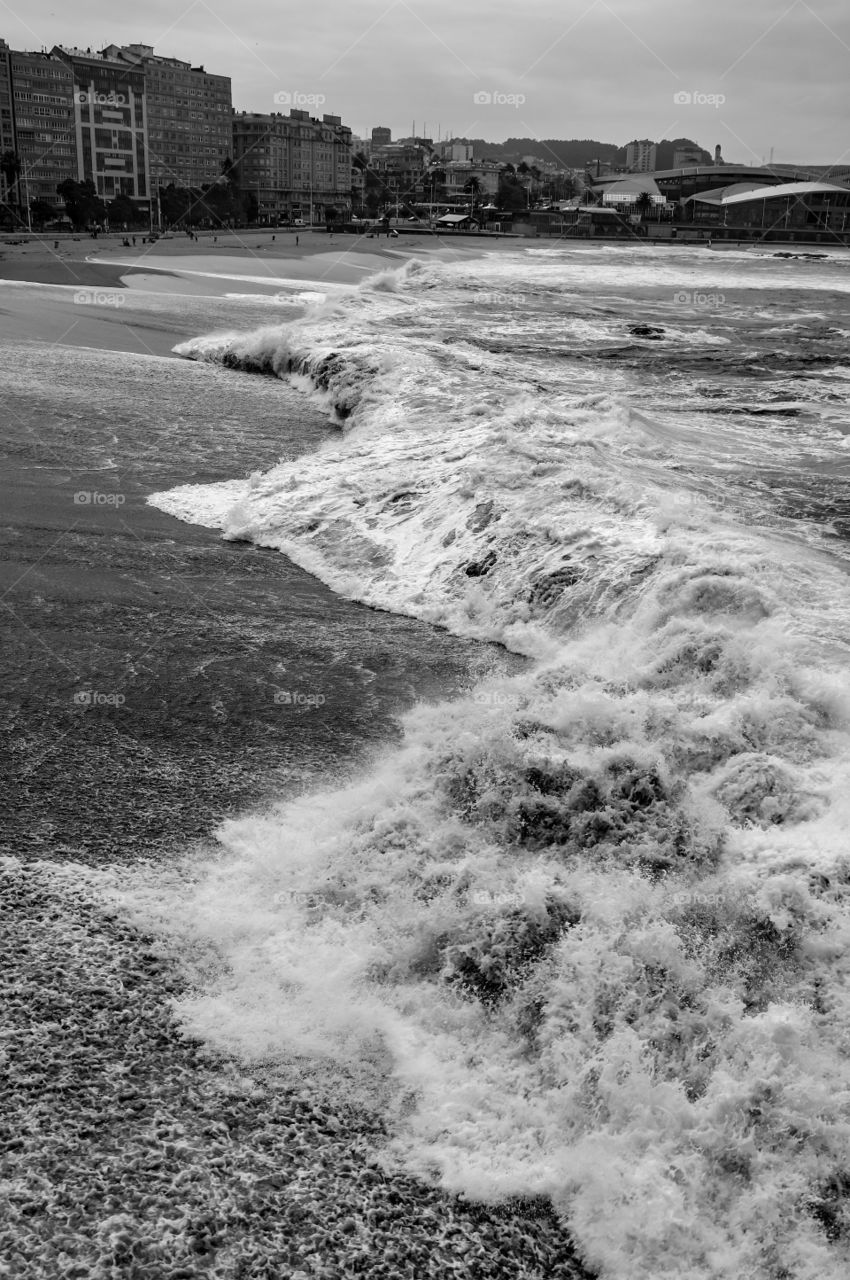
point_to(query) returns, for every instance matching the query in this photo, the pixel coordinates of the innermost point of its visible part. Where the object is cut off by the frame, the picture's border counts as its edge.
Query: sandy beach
(141, 662)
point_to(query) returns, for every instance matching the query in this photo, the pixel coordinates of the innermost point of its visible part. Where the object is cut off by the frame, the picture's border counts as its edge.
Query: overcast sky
(747, 76)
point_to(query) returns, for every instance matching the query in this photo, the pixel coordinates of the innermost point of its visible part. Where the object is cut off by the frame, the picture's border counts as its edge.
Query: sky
(749, 77)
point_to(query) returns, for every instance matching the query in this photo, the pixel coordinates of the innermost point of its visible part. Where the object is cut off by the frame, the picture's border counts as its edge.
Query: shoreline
(129, 1144)
(340, 259)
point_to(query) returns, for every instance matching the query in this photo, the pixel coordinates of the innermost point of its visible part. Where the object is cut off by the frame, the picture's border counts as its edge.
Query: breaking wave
(585, 933)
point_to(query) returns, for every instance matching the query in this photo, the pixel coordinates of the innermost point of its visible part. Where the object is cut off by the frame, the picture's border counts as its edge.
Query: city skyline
(750, 80)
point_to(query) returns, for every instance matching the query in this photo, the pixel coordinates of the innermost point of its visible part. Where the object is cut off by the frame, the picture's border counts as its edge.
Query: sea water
(584, 934)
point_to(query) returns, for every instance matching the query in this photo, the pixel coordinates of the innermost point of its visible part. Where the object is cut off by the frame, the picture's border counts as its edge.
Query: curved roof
(719, 194)
(785, 190)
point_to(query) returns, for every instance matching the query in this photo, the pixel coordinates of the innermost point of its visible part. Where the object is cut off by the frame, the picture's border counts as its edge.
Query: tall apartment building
(640, 156)
(7, 128)
(189, 118)
(110, 117)
(43, 111)
(381, 136)
(292, 163)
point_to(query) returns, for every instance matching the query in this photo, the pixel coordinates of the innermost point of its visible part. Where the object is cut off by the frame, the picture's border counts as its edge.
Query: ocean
(582, 934)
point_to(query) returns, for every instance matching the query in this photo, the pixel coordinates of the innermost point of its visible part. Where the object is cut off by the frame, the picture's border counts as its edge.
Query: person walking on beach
(296, 242)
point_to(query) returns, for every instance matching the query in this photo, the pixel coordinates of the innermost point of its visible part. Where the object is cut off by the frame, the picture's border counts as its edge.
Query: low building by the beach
(788, 206)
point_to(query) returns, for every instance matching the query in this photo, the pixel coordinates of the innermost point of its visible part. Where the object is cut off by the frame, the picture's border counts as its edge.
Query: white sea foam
(585, 934)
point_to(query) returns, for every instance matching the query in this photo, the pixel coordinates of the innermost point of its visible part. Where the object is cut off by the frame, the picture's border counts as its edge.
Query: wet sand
(141, 670)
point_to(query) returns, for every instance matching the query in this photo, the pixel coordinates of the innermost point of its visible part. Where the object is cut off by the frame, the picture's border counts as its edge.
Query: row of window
(46, 72)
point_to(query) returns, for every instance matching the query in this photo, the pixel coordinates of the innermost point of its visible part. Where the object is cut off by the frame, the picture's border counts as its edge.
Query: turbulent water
(585, 933)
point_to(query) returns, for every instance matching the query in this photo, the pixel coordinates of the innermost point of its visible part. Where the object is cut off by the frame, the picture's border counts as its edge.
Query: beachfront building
(7, 130)
(110, 120)
(640, 155)
(789, 207)
(401, 169)
(463, 174)
(8, 182)
(43, 113)
(627, 192)
(295, 166)
(189, 118)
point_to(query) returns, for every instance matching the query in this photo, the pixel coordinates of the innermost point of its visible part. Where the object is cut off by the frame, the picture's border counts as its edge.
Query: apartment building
(7, 128)
(189, 118)
(640, 156)
(293, 163)
(41, 87)
(110, 118)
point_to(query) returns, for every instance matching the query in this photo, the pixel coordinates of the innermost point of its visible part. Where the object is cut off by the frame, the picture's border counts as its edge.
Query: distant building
(627, 191)
(401, 168)
(189, 118)
(640, 156)
(381, 136)
(460, 173)
(110, 119)
(44, 125)
(293, 164)
(819, 208)
(684, 157)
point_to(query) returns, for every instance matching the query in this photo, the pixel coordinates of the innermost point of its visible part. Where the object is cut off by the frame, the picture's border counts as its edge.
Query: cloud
(605, 69)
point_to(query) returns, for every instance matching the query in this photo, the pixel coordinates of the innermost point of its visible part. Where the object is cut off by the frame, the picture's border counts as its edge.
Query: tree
(10, 167)
(644, 204)
(42, 211)
(473, 186)
(82, 203)
(331, 215)
(512, 195)
(435, 181)
(121, 210)
(176, 204)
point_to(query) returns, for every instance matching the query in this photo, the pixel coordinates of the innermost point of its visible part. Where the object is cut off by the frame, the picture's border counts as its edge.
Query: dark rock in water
(481, 516)
(646, 331)
(478, 568)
